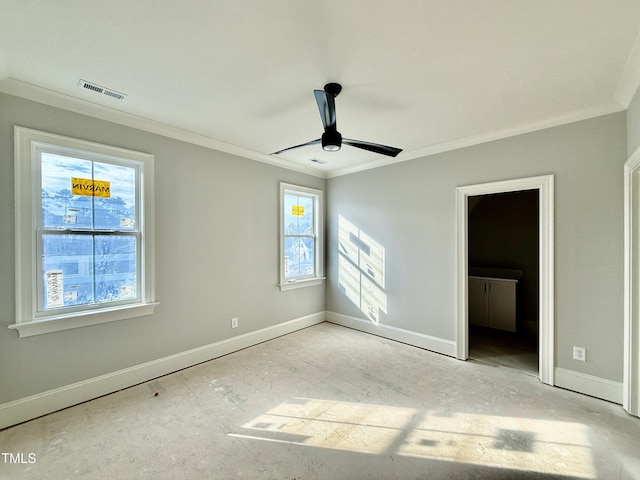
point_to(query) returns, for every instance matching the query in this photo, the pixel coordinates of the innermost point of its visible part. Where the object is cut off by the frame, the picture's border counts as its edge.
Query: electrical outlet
(234, 322)
(580, 353)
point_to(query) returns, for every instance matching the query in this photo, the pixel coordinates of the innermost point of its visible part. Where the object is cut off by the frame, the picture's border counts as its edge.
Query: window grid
(110, 279)
(301, 235)
(84, 233)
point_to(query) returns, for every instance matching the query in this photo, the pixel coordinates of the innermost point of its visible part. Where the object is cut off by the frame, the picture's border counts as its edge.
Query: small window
(84, 233)
(301, 250)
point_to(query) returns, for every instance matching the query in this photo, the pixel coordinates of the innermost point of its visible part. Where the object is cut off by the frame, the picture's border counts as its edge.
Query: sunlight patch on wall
(526, 444)
(361, 264)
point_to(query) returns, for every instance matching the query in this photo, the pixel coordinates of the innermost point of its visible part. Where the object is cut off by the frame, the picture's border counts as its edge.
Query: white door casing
(544, 184)
(631, 376)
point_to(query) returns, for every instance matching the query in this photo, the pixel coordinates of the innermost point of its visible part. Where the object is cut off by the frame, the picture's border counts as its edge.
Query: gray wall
(633, 124)
(409, 208)
(217, 244)
(216, 257)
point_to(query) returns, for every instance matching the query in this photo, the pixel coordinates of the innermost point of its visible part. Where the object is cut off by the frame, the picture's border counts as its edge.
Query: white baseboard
(589, 385)
(434, 344)
(34, 406)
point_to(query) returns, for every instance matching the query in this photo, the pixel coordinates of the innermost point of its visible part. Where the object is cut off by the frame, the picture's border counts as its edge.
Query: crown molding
(59, 100)
(55, 99)
(571, 117)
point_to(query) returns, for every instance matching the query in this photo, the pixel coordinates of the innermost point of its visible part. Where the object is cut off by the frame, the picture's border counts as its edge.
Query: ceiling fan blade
(312, 142)
(327, 107)
(373, 147)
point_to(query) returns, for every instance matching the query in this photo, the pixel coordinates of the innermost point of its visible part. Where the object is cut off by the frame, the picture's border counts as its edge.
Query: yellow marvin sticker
(90, 188)
(297, 210)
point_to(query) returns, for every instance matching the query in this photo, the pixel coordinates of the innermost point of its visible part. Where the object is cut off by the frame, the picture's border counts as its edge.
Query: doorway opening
(503, 268)
(543, 188)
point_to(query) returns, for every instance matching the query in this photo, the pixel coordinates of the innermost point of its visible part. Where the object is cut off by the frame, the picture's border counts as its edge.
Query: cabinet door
(478, 306)
(502, 305)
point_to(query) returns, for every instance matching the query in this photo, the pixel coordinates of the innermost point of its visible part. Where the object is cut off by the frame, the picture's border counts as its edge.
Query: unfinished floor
(504, 349)
(328, 402)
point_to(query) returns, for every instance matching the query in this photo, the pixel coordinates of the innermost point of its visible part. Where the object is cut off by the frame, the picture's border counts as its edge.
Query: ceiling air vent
(94, 87)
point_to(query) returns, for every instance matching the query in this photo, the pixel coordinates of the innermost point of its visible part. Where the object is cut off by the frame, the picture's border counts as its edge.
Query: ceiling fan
(331, 139)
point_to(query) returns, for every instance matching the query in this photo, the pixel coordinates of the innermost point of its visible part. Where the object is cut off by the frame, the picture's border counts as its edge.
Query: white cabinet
(492, 303)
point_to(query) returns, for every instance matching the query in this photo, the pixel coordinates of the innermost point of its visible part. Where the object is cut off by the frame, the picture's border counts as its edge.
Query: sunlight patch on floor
(551, 447)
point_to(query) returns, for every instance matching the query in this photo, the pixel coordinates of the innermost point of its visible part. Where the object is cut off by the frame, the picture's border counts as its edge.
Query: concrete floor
(328, 402)
(504, 349)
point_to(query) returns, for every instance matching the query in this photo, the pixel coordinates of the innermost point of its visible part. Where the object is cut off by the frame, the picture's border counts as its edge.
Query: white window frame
(318, 205)
(29, 321)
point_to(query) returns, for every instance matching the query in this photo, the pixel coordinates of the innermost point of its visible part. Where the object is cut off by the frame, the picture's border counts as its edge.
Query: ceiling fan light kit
(331, 139)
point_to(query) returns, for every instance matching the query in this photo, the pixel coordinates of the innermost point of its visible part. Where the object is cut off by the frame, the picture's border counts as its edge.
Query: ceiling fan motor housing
(333, 89)
(331, 140)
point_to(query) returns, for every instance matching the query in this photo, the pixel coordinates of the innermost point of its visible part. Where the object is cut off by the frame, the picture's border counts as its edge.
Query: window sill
(84, 319)
(309, 282)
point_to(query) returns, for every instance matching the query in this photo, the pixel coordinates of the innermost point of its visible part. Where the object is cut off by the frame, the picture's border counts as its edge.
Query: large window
(84, 233)
(301, 220)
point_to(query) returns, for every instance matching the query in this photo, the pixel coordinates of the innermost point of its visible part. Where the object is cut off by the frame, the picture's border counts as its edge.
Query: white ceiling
(422, 75)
